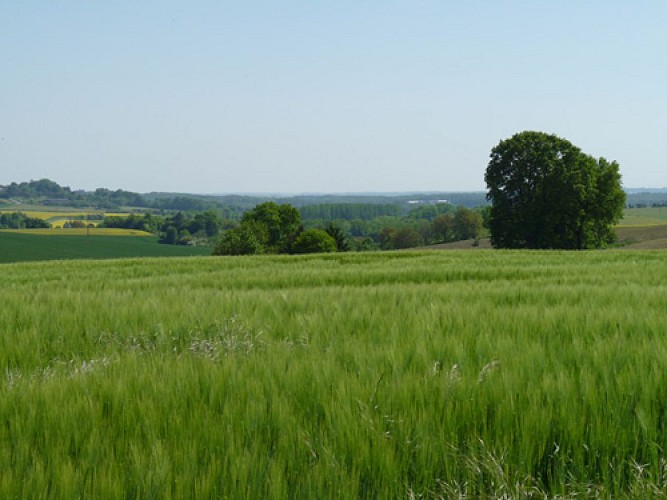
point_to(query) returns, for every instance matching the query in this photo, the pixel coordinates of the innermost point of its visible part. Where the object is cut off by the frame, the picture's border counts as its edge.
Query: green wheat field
(374, 375)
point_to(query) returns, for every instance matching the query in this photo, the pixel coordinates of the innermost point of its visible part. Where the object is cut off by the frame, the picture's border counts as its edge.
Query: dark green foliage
(267, 228)
(430, 212)
(17, 220)
(546, 193)
(105, 198)
(338, 235)
(443, 228)
(40, 188)
(468, 224)
(407, 237)
(242, 240)
(314, 241)
(145, 222)
(279, 222)
(348, 211)
(386, 238)
(183, 228)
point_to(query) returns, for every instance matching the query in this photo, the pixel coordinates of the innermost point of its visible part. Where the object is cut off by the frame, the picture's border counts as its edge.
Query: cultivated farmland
(378, 375)
(101, 243)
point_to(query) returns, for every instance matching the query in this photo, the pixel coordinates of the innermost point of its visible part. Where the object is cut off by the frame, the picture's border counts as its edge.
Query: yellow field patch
(103, 231)
(58, 219)
(44, 215)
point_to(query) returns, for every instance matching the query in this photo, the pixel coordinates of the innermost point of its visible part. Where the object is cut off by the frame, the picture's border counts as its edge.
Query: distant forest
(312, 207)
(48, 192)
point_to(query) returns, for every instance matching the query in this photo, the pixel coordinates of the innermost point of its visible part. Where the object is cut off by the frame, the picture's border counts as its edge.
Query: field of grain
(378, 375)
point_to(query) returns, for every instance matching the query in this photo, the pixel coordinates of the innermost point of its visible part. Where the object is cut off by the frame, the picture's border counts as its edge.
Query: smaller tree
(386, 238)
(338, 235)
(443, 228)
(281, 223)
(239, 241)
(468, 224)
(314, 241)
(407, 237)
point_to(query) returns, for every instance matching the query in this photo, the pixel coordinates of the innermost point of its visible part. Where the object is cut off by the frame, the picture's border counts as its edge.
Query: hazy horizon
(322, 98)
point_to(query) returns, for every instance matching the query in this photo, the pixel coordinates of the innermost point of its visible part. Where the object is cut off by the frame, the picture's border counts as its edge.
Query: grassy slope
(15, 247)
(381, 375)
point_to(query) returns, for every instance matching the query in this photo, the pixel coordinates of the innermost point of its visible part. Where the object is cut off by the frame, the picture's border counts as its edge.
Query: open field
(377, 375)
(643, 237)
(643, 228)
(644, 216)
(56, 244)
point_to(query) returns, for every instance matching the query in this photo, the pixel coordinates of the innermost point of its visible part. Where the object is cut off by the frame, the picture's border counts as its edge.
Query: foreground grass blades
(359, 375)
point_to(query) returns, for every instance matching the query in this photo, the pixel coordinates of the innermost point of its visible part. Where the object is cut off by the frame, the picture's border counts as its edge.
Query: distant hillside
(48, 192)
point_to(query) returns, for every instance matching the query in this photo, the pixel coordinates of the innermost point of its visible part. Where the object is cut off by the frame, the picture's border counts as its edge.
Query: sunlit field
(378, 375)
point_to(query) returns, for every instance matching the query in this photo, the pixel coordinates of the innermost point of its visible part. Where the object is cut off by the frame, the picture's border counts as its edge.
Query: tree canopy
(314, 241)
(267, 228)
(546, 193)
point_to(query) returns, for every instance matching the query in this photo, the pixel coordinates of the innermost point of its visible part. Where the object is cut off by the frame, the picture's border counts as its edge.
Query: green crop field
(22, 245)
(644, 216)
(376, 375)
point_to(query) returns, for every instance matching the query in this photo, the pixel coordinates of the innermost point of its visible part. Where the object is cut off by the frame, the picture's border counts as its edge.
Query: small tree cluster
(184, 229)
(18, 220)
(272, 228)
(461, 224)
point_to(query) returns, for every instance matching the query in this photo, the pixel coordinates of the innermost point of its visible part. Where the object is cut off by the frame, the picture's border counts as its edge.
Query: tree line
(18, 220)
(273, 228)
(49, 192)
(349, 211)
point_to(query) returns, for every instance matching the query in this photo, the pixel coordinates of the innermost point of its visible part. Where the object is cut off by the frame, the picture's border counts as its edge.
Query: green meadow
(650, 216)
(373, 375)
(23, 246)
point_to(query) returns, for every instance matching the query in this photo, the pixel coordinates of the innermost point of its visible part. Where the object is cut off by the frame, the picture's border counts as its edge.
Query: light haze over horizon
(328, 97)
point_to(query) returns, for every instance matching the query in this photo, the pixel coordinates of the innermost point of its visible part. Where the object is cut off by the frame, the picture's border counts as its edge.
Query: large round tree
(546, 193)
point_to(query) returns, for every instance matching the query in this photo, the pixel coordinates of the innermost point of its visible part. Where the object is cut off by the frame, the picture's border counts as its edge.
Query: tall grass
(362, 375)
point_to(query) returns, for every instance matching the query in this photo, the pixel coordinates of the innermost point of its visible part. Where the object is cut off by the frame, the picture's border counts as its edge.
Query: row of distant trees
(182, 228)
(18, 220)
(459, 224)
(51, 193)
(279, 228)
(273, 228)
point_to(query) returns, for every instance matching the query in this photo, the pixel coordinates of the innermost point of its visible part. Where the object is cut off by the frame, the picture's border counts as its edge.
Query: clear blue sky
(323, 96)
